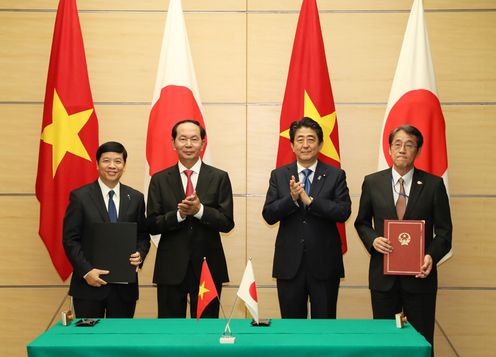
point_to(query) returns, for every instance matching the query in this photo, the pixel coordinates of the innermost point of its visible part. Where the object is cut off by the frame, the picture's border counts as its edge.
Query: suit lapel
(385, 189)
(415, 191)
(319, 178)
(203, 179)
(97, 198)
(176, 184)
(124, 201)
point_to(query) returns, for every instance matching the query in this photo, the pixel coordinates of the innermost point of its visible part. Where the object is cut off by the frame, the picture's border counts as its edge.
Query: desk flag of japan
(248, 291)
(413, 100)
(309, 93)
(206, 291)
(69, 132)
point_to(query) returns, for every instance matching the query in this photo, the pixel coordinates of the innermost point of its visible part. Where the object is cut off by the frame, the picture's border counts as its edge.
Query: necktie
(401, 202)
(189, 184)
(306, 180)
(112, 211)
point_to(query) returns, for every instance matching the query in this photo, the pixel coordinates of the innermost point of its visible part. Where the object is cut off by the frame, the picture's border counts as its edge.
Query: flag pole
(228, 328)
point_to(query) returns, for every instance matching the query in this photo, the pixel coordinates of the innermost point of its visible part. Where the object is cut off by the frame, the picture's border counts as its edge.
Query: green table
(186, 337)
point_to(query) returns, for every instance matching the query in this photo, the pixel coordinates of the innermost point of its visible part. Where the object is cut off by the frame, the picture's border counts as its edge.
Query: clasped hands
(383, 245)
(297, 191)
(189, 206)
(93, 276)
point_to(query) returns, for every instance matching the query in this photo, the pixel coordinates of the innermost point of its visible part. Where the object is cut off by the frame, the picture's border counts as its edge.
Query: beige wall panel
(474, 248)
(262, 141)
(20, 243)
(130, 5)
(470, 137)
(366, 5)
(25, 314)
(21, 125)
(268, 305)
(464, 70)
(234, 243)
(146, 306)
(354, 303)
(467, 318)
(261, 240)
(122, 60)
(146, 272)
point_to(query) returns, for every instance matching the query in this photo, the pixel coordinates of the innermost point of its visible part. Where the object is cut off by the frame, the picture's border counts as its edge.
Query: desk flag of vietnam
(206, 291)
(69, 132)
(413, 100)
(308, 93)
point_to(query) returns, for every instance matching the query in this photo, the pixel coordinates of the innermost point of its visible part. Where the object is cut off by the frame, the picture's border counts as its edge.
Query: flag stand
(227, 337)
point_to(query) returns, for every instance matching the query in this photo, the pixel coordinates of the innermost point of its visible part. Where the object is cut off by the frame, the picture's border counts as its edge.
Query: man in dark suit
(308, 198)
(188, 204)
(426, 199)
(93, 203)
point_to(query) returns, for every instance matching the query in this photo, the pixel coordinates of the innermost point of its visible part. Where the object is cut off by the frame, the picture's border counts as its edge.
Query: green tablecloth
(186, 337)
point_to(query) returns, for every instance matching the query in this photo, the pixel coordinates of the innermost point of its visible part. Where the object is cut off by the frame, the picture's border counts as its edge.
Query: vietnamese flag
(309, 93)
(414, 100)
(69, 132)
(206, 291)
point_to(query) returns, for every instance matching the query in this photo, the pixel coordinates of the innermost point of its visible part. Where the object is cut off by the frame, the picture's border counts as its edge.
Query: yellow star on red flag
(63, 133)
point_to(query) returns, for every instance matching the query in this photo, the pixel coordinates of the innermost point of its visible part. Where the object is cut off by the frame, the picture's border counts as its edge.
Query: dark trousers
(295, 293)
(173, 299)
(115, 305)
(419, 308)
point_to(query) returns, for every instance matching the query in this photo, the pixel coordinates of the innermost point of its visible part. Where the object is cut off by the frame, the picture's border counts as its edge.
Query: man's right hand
(382, 245)
(93, 277)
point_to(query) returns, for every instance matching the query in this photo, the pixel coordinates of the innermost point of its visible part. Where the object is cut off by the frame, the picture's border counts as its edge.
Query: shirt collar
(408, 177)
(195, 168)
(105, 189)
(301, 167)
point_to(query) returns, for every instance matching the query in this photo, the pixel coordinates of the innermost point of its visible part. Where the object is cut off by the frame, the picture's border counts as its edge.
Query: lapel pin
(419, 182)
(318, 178)
(128, 197)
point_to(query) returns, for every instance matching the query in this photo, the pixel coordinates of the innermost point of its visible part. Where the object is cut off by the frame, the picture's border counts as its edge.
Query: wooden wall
(241, 50)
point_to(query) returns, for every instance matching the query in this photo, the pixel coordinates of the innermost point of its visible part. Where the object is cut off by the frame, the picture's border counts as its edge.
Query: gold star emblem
(202, 290)
(327, 123)
(63, 133)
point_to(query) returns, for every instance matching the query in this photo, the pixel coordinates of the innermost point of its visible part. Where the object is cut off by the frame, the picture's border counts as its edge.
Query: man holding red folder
(404, 192)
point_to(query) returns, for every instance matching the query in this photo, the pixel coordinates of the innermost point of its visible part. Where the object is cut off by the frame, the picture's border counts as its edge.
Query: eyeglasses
(408, 146)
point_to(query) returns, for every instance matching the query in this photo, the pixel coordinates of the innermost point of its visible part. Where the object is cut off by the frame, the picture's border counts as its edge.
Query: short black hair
(111, 146)
(192, 121)
(307, 123)
(410, 130)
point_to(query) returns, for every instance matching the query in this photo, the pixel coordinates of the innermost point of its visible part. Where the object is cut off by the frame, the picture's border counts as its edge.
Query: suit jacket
(86, 206)
(311, 229)
(427, 201)
(187, 242)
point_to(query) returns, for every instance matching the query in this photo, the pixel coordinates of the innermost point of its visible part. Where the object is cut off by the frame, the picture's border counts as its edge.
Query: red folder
(408, 241)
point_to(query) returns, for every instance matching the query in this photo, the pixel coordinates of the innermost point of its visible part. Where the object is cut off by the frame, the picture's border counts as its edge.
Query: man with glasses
(189, 204)
(405, 192)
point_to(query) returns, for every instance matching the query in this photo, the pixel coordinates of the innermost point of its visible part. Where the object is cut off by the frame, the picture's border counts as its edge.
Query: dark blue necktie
(112, 211)
(306, 180)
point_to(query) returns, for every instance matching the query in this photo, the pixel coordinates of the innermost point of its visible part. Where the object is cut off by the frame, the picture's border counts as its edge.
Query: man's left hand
(426, 268)
(135, 259)
(189, 206)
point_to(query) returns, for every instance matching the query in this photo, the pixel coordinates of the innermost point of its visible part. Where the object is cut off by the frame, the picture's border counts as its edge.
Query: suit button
(302, 241)
(304, 222)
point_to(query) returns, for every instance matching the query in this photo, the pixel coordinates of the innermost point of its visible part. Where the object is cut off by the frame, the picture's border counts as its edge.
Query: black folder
(110, 246)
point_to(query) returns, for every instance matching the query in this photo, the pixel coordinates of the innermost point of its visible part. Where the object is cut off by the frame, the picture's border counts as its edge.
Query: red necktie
(189, 184)
(401, 202)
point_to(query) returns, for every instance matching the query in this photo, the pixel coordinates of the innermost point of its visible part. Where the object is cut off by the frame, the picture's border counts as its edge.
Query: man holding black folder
(105, 201)
(406, 193)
